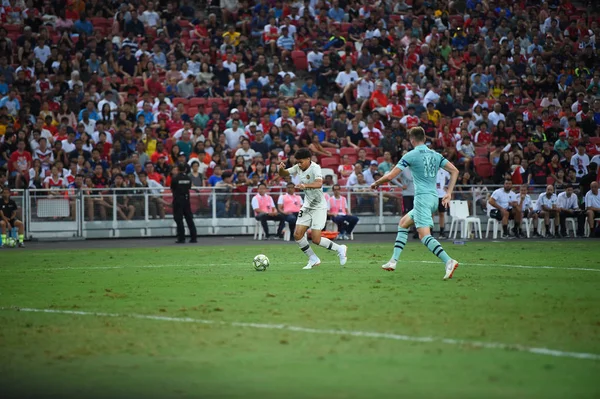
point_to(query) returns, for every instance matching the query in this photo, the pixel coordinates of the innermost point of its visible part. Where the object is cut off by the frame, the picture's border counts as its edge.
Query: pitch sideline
(174, 265)
(362, 334)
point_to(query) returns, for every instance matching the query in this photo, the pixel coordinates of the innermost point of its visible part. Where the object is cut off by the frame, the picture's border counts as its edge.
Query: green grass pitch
(518, 320)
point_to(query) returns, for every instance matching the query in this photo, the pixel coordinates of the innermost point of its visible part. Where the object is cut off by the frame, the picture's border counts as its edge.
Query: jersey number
(300, 213)
(429, 166)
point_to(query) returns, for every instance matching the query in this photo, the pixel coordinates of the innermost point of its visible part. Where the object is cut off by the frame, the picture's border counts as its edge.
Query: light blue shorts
(424, 208)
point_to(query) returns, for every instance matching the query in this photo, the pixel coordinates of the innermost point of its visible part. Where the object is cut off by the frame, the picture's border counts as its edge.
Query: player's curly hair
(303, 153)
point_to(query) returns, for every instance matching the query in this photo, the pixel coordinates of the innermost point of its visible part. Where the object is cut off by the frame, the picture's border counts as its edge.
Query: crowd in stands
(95, 91)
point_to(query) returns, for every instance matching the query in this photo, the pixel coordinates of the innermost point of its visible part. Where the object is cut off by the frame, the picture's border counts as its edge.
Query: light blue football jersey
(424, 165)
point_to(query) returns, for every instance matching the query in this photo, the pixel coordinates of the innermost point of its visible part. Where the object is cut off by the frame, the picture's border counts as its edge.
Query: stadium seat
(330, 162)
(494, 224)
(347, 151)
(481, 151)
(327, 171)
(300, 61)
(259, 232)
(459, 212)
(343, 182)
(484, 170)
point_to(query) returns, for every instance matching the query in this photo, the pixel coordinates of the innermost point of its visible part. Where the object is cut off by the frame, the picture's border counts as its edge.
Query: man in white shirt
(526, 206)
(505, 202)
(246, 152)
(346, 81)
(580, 161)
(315, 59)
(108, 99)
(370, 173)
(592, 207)
(546, 207)
(150, 17)
(365, 87)
(285, 118)
(441, 181)
(496, 115)
(234, 134)
(353, 179)
(432, 96)
(568, 207)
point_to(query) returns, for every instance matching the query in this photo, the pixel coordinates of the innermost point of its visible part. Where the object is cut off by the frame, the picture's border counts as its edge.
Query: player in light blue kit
(424, 165)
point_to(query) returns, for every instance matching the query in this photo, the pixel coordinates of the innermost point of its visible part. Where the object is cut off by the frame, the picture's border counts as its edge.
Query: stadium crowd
(102, 94)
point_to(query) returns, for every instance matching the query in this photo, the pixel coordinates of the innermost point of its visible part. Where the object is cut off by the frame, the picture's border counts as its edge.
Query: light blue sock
(401, 238)
(435, 247)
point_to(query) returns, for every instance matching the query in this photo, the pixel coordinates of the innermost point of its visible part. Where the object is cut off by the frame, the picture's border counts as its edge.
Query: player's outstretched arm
(450, 168)
(389, 176)
(282, 170)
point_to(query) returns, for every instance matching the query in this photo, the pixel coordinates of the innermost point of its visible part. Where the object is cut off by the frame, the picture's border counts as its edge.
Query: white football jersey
(313, 197)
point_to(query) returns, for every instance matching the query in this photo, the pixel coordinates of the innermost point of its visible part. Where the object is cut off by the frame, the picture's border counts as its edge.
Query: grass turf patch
(486, 301)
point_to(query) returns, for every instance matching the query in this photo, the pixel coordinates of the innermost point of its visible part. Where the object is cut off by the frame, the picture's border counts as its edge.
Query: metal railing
(87, 212)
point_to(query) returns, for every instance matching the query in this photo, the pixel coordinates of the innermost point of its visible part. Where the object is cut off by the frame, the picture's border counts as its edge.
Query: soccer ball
(260, 262)
(10, 242)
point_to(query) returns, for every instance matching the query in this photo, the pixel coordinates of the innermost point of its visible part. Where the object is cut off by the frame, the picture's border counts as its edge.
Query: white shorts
(313, 218)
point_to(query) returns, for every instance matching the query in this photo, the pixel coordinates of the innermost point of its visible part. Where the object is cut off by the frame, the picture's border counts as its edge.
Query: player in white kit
(313, 213)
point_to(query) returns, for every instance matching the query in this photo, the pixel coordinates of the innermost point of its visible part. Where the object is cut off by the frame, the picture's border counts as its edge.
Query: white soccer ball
(10, 242)
(260, 262)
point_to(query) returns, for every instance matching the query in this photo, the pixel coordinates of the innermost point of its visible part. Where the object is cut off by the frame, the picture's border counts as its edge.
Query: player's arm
(450, 168)
(283, 172)
(389, 176)
(318, 183)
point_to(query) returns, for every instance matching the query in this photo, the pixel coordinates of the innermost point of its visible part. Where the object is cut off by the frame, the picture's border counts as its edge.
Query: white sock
(327, 243)
(305, 247)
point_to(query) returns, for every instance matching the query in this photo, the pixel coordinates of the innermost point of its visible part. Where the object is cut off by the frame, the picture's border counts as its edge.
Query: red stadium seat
(480, 160)
(481, 151)
(347, 151)
(484, 170)
(328, 162)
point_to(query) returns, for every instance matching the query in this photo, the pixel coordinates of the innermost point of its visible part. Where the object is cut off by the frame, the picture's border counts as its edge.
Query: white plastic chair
(496, 226)
(461, 215)
(259, 232)
(573, 226)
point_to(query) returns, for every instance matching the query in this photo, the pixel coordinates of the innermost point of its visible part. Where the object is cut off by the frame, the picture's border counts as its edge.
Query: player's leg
(534, 220)
(546, 216)
(341, 224)
(262, 218)
(442, 218)
(518, 217)
(3, 227)
(352, 221)
(319, 219)
(401, 238)
(302, 224)
(21, 230)
(189, 220)
(424, 223)
(590, 219)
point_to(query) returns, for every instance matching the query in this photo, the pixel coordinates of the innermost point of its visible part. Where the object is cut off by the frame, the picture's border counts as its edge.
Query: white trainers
(390, 266)
(312, 262)
(451, 266)
(342, 254)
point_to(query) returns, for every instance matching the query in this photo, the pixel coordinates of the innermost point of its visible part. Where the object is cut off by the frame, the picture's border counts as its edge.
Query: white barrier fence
(143, 212)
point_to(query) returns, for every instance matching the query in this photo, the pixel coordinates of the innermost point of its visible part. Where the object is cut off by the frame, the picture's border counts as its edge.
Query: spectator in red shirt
(20, 163)
(379, 100)
(153, 84)
(483, 138)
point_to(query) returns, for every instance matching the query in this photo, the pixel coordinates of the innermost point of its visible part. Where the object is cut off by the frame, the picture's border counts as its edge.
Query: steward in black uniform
(180, 187)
